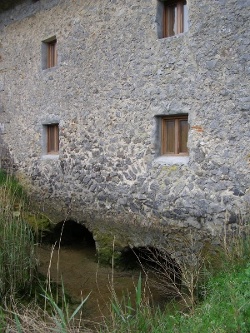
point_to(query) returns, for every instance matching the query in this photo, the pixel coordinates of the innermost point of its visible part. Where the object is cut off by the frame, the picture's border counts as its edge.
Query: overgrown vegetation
(17, 260)
(225, 308)
(18, 274)
(205, 297)
(213, 298)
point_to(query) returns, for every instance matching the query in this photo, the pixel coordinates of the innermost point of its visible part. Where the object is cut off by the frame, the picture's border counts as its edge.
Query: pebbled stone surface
(114, 75)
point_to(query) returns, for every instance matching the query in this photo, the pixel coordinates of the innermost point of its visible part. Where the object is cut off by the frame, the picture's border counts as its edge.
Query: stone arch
(71, 233)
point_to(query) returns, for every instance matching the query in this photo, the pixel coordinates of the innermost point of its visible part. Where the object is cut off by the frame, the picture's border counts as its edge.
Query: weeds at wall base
(219, 294)
(220, 291)
(17, 260)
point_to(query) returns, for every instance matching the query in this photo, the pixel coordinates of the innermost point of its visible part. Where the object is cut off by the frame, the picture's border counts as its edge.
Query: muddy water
(81, 275)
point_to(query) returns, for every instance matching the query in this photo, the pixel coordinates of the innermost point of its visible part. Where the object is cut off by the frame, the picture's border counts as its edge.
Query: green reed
(17, 260)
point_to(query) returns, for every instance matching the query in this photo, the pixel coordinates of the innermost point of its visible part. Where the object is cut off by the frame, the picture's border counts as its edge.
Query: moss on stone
(37, 221)
(213, 255)
(168, 169)
(108, 247)
(8, 4)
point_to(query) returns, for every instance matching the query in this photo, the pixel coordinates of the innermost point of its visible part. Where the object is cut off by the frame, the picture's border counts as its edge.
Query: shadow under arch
(158, 263)
(70, 233)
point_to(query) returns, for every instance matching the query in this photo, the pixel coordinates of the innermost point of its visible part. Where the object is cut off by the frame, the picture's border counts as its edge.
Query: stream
(77, 266)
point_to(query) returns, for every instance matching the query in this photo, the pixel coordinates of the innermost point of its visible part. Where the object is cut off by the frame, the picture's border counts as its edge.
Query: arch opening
(157, 264)
(70, 233)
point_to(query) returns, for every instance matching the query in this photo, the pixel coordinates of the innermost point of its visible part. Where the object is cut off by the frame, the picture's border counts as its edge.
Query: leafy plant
(61, 315)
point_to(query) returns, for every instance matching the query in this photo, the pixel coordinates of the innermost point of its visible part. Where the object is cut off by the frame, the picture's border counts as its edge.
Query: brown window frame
(169, 17)
(52, 53)
(52, 138)
(176, 136)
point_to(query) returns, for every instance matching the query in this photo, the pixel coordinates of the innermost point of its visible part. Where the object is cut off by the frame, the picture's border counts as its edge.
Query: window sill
(50, 157)
(49, 69)
(171, 160)
(179, 35)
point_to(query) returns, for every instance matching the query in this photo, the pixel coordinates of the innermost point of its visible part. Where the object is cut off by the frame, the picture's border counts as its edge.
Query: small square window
(49, 53)
(174, 135)
(52, 134)
(174, 17)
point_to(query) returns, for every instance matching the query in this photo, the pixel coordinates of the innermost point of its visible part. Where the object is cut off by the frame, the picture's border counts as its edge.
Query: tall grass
(29, 318)
(64, 320)
(17, 259)
(223, 308)
(18, 271)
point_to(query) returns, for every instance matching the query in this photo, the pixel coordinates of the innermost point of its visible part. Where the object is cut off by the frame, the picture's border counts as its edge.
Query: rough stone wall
(114, 76)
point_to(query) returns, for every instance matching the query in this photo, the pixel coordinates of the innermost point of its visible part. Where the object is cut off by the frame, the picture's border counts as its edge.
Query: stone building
(129, 116)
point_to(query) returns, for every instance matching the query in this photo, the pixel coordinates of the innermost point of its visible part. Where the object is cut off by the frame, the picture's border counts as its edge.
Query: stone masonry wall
(114, 76)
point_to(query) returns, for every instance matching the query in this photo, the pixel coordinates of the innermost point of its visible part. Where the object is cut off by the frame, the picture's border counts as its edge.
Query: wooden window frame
(52, 131)
(52, 53)
(177, 135)
(168, 12)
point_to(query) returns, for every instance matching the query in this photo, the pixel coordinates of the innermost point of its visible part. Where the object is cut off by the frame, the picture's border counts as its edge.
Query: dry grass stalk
(32, 319)
(175, 278)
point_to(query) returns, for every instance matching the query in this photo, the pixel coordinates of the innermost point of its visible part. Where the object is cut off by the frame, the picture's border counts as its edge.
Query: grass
(225, 308)
(64, 320)
(12, 185)
(220, 296)
(18, 273)
(17, 260)
(218, 303)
